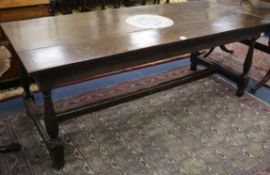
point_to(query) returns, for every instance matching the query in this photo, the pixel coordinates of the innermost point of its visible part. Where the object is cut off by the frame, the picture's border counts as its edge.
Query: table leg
(25, 82)
(193, 61)
(55, 144)
(243, 82)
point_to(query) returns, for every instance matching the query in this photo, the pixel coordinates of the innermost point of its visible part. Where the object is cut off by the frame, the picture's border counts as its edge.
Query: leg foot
(56, 149)
(242, 87)
(25, 82)
(240, 93)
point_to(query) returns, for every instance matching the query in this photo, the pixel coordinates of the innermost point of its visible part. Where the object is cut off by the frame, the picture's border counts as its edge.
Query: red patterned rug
(197, 128)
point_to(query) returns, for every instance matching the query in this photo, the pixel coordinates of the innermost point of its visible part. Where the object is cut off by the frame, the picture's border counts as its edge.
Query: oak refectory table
(57, 50)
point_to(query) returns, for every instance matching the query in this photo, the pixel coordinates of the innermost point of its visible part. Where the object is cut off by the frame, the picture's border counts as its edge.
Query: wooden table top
(58, 42)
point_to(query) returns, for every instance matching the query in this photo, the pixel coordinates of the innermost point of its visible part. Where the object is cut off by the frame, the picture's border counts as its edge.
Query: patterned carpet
(198, 128)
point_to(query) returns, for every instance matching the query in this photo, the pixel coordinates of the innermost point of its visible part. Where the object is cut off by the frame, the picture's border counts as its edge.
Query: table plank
(100, 24)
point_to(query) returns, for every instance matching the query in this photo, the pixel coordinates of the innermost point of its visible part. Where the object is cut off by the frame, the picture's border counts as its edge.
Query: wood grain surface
(80, 45)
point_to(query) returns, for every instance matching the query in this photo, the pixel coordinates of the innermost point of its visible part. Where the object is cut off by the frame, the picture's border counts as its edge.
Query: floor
(69, 91)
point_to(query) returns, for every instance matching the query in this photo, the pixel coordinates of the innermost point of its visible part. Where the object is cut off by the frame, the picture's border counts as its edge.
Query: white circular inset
(183, 38)
(149, 21)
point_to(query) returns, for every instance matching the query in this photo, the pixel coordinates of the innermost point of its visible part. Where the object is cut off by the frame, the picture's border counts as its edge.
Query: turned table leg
(55, 144)
(243, 82)
(265, 79)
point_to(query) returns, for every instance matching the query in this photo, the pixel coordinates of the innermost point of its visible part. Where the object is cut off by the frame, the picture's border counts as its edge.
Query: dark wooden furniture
(11, 10)
(116, 3)
(66, 6)
(266, 78)
(53, 56)
(143, 2)
(155, 2)
(265, 14)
